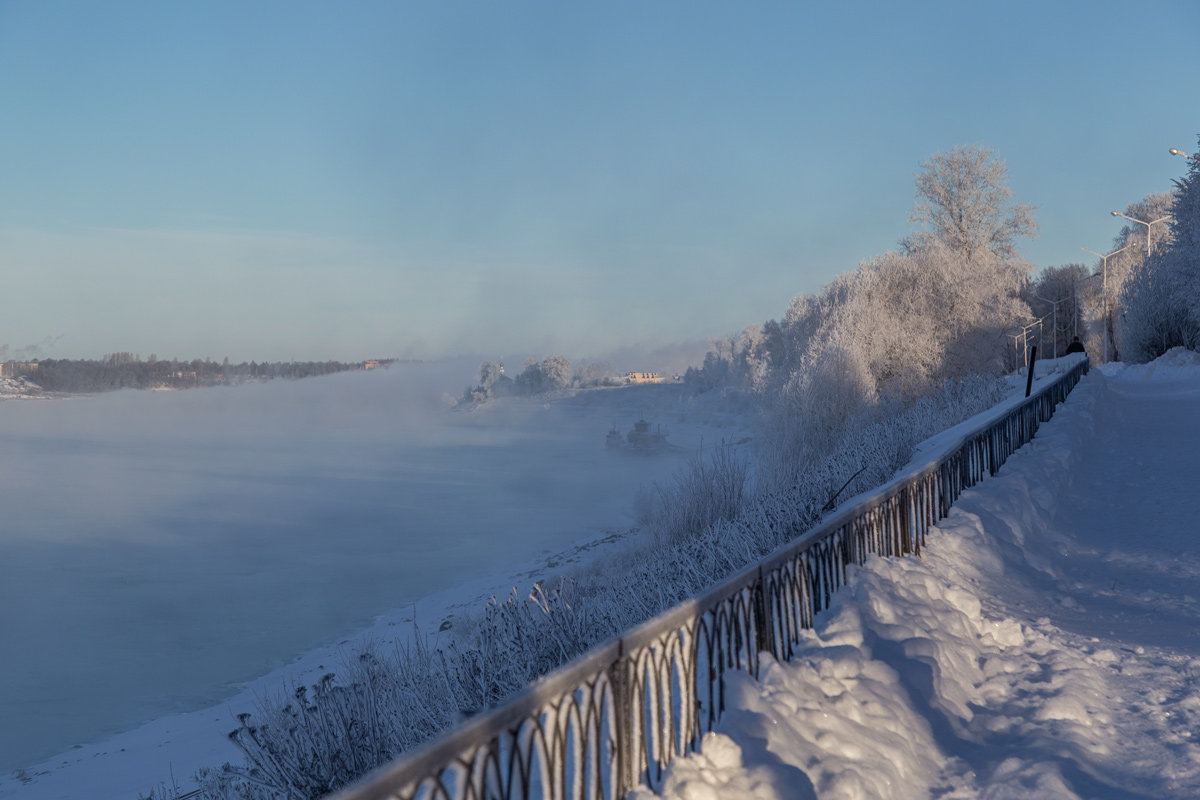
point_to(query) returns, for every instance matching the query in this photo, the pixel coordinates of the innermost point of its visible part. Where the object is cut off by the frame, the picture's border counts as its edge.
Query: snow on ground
(906, 626)
(169, 558)
(1047, 645)
(20, 389)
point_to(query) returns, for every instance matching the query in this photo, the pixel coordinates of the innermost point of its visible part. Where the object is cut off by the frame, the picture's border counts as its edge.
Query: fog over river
(160, 548)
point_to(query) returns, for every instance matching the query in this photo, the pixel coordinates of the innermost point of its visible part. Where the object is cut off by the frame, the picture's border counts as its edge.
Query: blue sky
(349, 180)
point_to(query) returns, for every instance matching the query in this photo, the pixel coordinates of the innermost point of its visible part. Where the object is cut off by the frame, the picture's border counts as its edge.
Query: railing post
(906, 528)
(623, 728)
(763, 626)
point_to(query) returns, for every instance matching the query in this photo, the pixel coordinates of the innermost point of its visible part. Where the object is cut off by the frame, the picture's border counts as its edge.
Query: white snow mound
(1043, 646)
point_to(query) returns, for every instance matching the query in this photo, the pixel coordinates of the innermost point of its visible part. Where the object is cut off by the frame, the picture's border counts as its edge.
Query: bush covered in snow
(708, 490)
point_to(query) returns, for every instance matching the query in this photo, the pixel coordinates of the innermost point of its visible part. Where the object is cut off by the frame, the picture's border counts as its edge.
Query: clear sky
(348, 180)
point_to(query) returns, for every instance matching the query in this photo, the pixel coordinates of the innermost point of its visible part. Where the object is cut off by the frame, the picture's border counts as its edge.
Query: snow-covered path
(1131, 512)
(1048, 644)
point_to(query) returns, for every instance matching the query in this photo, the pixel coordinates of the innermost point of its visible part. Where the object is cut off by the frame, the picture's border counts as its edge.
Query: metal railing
(618, 715)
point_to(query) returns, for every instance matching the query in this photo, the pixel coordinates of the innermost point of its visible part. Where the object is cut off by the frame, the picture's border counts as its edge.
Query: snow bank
(20, 389)
(995, 667)
(1178, 363)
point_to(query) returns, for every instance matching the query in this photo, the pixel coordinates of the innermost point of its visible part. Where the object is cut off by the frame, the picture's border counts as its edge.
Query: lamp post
(1104, 259)
(1175, 152)
(1023, 337)
(1017, 338)
(1075, 295)
(1054, 324)
(1142, 222)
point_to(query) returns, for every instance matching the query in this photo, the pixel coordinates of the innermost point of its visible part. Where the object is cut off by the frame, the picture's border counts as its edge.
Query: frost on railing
(616, 717)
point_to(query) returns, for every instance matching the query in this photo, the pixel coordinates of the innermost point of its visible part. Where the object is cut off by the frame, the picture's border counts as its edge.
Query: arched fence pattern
(617, 716)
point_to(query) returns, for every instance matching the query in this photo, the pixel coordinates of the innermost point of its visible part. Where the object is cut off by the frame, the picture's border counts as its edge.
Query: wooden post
(1029, 377)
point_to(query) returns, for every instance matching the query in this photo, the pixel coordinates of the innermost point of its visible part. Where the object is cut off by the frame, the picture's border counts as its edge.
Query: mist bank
(162, 548)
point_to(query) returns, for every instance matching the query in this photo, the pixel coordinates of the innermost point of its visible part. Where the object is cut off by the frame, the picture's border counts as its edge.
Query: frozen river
(159, 549)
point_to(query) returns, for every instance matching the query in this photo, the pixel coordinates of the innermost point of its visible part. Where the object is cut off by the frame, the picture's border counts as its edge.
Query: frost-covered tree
(835, 384)
(529, 381)
(1159, 311)
(556, 373)
(716, 370)
(595, 374)
(917, 318)
(550, 374)
(1155, 208)
(1106, 311)
(939, 308)
(1183, 253)
(896, 329)
(964, 200)
(743, 360)
(489, 373)
(891, 332)
(492, 384)
(1161, 298)
(1129, 245)
(1062, 287)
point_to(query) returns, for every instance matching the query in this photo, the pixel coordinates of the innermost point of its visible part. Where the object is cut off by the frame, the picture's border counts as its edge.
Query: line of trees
(129, 371)
(956, 298)
(1144, 297)
(553, 373)
(1094, 303)
(1069, 289)
(939, 307)
(1160, 299)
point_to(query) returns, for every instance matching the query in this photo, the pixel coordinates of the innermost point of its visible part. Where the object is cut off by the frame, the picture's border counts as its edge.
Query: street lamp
(1023, 336)
(1175, 152)
(1075, 292)
(1141, 222)
(1104, 258)
(1054, 325)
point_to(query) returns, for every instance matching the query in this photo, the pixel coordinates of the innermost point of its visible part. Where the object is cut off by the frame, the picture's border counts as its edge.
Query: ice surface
(162, 549)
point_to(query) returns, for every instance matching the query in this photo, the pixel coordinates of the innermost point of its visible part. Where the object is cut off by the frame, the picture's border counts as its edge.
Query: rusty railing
(617, 716)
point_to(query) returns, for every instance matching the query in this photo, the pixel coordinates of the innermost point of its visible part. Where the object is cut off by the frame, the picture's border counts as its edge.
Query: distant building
(370, 365)
(13, 369)
(643, 377)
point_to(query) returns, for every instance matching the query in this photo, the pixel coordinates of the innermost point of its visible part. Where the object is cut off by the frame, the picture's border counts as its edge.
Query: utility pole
(1104, 259)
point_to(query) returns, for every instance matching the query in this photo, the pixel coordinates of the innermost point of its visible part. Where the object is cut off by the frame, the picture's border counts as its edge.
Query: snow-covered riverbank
(176, 744)
(1045, 646)
(20, 389)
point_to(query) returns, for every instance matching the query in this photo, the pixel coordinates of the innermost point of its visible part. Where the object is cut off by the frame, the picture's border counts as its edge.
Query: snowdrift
(1043, 646)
